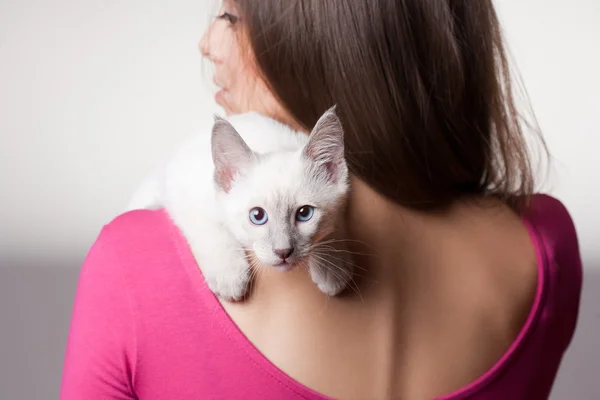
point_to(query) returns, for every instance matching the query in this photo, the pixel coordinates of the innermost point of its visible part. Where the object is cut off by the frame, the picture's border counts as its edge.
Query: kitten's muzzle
(284, 254)
(285, 264)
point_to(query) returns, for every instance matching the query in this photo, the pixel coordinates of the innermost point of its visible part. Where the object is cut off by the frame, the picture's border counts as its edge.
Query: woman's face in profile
(241, 89)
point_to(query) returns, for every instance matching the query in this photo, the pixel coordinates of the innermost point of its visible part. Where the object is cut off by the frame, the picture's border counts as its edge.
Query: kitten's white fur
(276, 175)
(193, 163)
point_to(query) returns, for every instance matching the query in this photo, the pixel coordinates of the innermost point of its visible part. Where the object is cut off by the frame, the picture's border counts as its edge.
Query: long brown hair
(422, 87)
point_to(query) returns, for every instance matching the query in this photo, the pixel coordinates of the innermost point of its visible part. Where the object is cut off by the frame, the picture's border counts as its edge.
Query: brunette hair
(422, 88)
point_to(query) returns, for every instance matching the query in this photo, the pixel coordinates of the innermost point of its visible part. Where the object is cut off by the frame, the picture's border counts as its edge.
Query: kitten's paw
(332, 287)
(331, 279)
(229, 280)
(229, 288)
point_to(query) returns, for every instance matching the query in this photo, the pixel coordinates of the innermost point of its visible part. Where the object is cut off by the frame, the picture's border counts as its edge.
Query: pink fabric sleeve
(566, 271)
(100, 356)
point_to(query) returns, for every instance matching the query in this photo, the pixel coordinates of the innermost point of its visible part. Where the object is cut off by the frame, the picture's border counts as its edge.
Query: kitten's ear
(325, 145)
(229, 152)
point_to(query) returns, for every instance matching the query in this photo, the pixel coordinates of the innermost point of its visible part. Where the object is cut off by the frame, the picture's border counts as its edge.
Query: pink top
(144, 327)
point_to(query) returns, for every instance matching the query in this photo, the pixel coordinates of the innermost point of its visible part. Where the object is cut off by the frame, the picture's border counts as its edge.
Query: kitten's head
(279, 204)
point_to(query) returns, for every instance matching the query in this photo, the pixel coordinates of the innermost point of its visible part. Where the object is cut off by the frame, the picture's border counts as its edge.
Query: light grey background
(95, 94)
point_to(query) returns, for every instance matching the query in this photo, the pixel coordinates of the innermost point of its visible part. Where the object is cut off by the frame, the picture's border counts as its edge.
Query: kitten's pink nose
(284, 253)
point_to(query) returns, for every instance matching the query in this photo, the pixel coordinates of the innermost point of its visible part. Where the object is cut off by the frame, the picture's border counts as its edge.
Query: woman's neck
(382, 233)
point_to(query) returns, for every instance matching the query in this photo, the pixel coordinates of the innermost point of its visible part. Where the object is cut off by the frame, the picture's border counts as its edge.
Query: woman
(474, 292)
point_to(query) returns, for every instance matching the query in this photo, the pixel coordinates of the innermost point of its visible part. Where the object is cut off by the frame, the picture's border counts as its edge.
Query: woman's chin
(220, 98)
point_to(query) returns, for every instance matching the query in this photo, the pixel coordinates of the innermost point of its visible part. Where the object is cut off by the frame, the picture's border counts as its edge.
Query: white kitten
(256, 186)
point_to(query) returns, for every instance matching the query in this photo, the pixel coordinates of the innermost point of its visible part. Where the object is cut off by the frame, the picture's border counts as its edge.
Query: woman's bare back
(439, 300)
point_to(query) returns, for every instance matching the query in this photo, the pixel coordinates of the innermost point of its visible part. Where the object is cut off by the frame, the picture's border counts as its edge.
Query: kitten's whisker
(337, 267)
(331, 248)
(351, 281)
(254, 271)
(330, 241)
(326, 303)
(326, 254)
(352, 284)
(353, 273)
(333, 271)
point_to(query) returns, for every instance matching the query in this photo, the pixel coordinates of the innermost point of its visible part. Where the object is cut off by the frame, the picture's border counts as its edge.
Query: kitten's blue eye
(305, 213)
(258, 216)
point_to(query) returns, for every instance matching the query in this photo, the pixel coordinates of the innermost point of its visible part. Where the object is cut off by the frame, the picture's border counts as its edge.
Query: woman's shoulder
(136, 220)
(553, 233)
(134, 281)
(136, 229)
(138, 240)
(546, 208)
(145, 250)
(553, 229)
